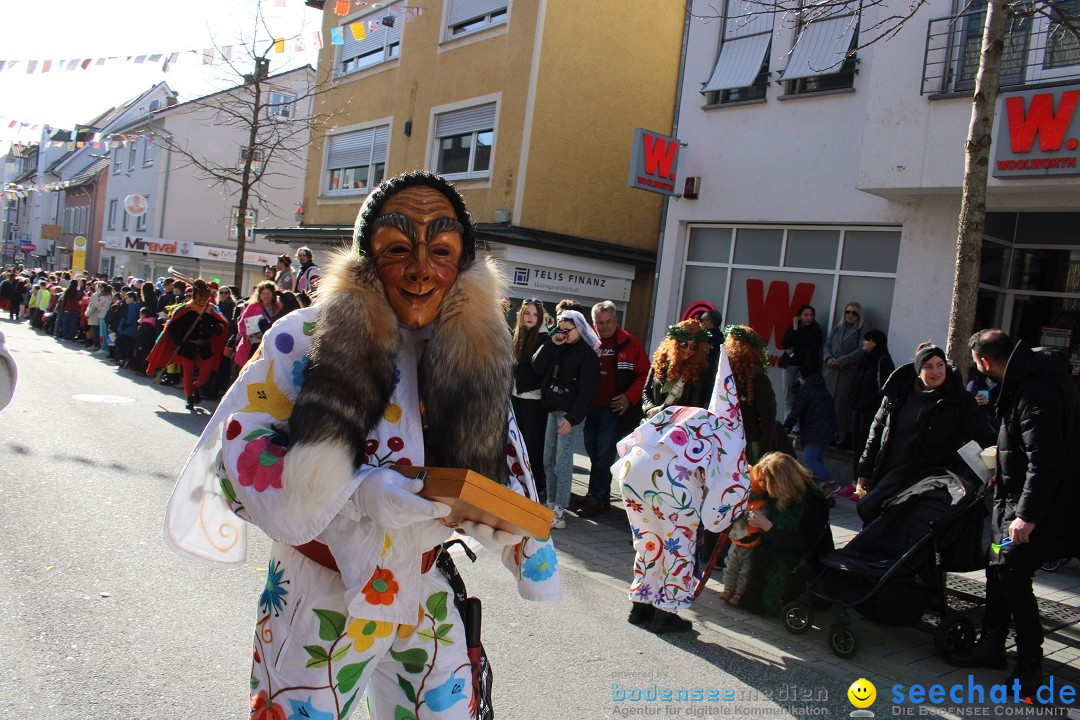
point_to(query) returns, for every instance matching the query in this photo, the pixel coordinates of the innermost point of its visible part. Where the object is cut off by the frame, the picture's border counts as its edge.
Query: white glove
(389, 498)
(492, 539)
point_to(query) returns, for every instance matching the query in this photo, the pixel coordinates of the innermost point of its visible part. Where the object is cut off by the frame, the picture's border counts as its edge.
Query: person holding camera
(258, 316)
(571, 370)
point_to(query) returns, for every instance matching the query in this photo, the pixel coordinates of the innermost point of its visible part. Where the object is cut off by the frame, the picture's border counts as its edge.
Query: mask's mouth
(417, 296)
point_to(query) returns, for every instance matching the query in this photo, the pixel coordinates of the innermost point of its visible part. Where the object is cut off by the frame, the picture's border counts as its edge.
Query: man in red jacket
(624, 365)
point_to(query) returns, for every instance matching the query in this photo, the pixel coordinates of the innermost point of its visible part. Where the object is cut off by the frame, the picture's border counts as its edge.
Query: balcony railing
(1037, 51)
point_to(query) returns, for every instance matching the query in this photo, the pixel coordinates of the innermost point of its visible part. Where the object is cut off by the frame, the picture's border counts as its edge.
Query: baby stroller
(894, 570)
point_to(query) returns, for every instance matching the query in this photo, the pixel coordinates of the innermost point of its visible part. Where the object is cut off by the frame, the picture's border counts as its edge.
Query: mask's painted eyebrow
(438, 226)
(400, 222)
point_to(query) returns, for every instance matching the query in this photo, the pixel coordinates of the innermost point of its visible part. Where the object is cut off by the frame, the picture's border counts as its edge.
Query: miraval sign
(1039, 134)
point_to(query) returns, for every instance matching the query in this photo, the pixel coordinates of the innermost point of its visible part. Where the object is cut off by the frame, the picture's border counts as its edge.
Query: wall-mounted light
(408, 128)
(298, 215)
(388, 21)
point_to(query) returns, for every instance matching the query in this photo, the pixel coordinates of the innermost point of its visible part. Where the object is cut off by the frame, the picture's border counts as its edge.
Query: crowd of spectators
(121, 319)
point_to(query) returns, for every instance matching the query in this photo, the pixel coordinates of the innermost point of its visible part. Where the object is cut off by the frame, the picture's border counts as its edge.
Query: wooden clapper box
(471, 496)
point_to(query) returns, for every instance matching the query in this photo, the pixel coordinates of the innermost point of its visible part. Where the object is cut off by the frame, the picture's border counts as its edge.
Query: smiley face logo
(862, 693)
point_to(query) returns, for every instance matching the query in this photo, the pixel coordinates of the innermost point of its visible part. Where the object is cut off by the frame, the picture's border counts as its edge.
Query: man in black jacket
(1035, 496)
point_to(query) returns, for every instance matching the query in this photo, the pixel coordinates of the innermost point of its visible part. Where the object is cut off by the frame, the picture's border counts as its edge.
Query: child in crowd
(145, 337)
(744, 538)
(815, 413)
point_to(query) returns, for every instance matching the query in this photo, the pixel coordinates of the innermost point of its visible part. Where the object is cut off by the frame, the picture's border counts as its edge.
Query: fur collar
(464, 376)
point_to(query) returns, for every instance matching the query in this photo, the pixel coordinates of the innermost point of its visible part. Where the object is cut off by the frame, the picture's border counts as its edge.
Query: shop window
(870, 251)
(463, 142)
(364, 47)
(812, 249)
(708, 244)
(823, 57)
(356, 161)
(469, 16)
(741, 72)
(758, 247)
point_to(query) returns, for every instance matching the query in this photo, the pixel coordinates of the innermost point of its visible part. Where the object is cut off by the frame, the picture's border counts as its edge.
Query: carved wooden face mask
(417, 245)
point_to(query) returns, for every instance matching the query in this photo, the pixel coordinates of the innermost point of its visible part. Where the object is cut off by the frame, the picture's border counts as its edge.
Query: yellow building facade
(529, 106)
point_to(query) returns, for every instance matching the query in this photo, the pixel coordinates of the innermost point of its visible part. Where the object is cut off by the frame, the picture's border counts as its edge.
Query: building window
(281, 105)
(133, 148)
(118, 160)
(463, 142)
(363, 47)
(141, 220)
(112, 213)
(469, 16)
(356, 161)
(124, 220)
(249, 224)
(824, 54)
(148, 152)
(742, 66)
(256, 165)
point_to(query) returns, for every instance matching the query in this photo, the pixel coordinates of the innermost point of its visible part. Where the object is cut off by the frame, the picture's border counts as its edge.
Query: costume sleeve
(1042, 432)
(256, 441)
(533, 562)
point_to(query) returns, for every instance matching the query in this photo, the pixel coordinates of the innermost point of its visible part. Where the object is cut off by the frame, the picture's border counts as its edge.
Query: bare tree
(276, 134)
(972, 219)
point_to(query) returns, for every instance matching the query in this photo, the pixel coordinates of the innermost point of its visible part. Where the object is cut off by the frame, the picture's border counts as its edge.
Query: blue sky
(79, 29)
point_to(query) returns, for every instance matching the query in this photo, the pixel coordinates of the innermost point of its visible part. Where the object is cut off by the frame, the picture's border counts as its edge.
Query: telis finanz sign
(1038, 134)
(654, 162)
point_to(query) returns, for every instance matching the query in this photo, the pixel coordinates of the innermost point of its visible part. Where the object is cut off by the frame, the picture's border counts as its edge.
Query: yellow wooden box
(471, 496)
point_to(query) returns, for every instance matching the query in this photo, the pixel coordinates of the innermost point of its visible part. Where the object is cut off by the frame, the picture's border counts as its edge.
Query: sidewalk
(600, 547)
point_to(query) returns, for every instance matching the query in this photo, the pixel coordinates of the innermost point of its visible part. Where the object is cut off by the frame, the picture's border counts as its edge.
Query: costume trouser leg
(601, 439)
(315, 661)
(190, 365)
(1009, 594)
(664, 510)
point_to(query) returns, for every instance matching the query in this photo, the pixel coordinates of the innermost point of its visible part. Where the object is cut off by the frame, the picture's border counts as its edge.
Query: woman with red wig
(679, 372)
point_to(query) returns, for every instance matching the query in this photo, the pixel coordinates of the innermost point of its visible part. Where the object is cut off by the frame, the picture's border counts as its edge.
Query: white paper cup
(989, 457)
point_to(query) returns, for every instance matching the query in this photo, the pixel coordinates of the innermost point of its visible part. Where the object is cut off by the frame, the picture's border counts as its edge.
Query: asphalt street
(100, 619)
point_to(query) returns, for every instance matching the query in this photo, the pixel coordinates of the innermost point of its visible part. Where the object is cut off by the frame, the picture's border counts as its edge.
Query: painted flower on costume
(540, 566)
(263, 709)
(298, 368)
(273, 594)
(381, 588)
(444, 696)
(306, 711)
(404, 631)
(260, 464)
(364, 632)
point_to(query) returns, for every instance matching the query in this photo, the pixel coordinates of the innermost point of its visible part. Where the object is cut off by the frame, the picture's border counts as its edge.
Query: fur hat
(391, 186)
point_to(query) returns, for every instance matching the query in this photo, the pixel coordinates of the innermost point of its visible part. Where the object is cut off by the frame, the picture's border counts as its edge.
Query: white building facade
(827, 179)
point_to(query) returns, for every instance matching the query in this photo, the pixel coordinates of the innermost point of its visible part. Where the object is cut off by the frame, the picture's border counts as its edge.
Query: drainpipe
(668, 198)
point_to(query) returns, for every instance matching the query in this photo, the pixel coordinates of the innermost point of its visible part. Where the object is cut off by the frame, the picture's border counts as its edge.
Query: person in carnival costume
(405, 360)
(682, 471)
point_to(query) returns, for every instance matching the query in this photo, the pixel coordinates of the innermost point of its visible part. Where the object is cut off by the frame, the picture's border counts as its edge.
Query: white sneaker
(559, 522)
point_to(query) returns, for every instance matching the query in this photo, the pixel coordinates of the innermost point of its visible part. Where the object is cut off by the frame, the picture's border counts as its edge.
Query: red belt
(321, 554)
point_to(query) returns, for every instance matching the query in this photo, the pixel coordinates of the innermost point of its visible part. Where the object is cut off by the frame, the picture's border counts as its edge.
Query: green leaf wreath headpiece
(683, 335)
(744, 334)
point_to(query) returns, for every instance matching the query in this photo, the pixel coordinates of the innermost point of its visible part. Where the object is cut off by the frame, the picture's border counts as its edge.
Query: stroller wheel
(1053, 565)
(955, 633)
(842, 642)
(798, 617)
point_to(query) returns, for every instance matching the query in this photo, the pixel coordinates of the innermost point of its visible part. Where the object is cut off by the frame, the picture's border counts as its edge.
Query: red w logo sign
(770, 315)
(1041, 120)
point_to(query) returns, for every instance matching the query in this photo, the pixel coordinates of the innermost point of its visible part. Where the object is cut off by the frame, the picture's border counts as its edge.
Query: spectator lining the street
(530, 330)
(802, 343)
(307, 277)
(843, 350)
(815, 414)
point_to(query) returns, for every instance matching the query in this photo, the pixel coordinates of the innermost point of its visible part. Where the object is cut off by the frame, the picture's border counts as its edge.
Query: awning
(739, 62)
(822, 48)
(340, 235)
